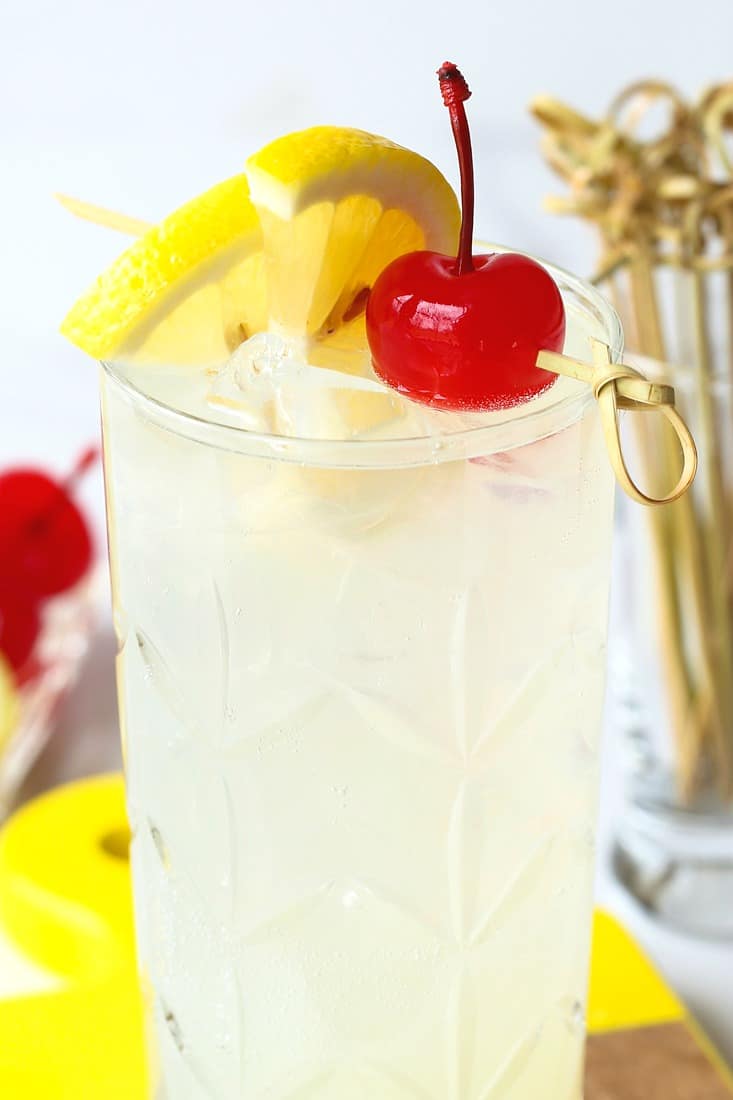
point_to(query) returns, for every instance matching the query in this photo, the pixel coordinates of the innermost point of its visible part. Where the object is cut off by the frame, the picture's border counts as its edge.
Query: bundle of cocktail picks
(662, 203)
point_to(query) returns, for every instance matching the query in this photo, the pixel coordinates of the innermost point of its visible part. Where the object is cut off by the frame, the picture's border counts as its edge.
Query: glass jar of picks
(655, 179)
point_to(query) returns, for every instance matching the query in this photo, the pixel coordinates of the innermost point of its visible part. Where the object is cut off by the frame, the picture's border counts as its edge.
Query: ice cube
(244, 387)
(268, 385)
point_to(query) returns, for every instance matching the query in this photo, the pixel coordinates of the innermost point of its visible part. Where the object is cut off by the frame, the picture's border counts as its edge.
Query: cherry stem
(88, 458)
(455, 92)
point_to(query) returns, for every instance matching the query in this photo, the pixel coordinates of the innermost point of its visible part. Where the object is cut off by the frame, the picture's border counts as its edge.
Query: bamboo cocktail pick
(617, 386)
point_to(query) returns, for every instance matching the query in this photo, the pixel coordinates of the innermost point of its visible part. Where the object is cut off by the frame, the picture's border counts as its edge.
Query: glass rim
(507, 433)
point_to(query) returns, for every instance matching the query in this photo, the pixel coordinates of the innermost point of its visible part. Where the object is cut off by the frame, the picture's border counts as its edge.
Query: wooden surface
(663, 1062)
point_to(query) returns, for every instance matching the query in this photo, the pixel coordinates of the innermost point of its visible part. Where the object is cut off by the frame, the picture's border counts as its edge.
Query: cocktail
(361, 643)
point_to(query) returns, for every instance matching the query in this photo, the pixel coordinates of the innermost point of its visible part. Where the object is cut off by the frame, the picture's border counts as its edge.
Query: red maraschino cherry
(464, 333)
(45, 545)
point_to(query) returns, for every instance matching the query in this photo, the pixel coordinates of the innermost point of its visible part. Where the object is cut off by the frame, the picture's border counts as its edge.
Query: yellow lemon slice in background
(293, 245)
(9, 708)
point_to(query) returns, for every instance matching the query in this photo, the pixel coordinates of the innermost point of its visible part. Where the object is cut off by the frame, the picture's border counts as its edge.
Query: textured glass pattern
(360, 713)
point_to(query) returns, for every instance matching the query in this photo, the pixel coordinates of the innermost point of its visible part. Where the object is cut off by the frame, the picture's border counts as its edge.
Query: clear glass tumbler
(361, 689)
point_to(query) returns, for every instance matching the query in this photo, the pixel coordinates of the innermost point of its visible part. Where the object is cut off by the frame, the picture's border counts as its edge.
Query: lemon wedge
(292, 245)
(336, 206)
(8, 703)
(162, 300)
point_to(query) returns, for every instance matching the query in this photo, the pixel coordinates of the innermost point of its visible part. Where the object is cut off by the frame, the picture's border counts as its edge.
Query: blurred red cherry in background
(45, 549)
(45, 545)
(19, 625)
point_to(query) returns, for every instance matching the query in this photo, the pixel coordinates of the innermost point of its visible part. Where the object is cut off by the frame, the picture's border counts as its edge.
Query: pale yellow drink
(361, 687)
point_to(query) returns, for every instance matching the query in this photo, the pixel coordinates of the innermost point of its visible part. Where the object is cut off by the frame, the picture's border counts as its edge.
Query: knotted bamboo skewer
(617, 386)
